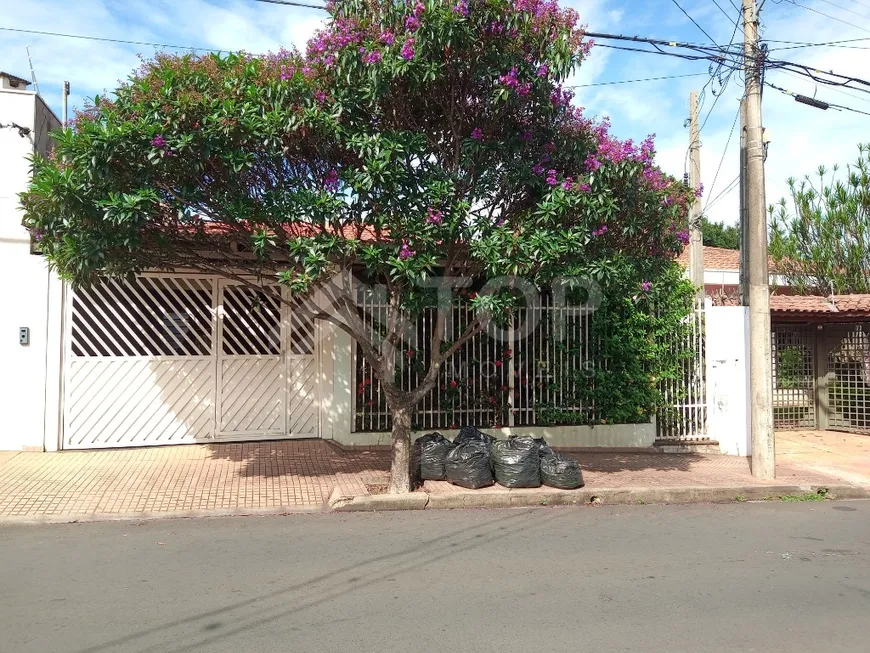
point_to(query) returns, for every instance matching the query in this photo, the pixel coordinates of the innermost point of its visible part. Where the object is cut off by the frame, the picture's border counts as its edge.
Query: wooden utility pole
(760, 374)
(696, 244)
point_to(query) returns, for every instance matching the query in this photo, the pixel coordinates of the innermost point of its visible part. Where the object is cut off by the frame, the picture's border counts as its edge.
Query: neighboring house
(27, 289)
(722, 273)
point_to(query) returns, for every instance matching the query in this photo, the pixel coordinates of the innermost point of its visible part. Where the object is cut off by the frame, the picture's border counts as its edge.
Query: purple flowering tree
(411, 141)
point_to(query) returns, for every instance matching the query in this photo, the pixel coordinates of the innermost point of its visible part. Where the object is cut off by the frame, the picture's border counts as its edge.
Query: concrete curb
(155, 516)
(339, 502)
(527, 498)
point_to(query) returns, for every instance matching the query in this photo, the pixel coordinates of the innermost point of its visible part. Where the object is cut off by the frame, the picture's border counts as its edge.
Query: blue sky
(802, 137)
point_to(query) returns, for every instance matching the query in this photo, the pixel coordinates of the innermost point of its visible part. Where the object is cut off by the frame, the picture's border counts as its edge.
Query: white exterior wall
(24, 289)
(728, 378)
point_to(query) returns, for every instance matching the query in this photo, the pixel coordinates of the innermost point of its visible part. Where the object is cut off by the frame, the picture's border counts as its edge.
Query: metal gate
(794, 376)
(168, 359)
(848, 377)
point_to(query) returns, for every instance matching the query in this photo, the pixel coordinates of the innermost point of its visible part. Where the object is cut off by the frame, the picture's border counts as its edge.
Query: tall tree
(820, 241)
(719, 234)
(412, 141)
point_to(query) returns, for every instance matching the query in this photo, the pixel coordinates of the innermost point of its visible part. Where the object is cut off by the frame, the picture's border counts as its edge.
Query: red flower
(370, 402)
(453, 384)
(491, 399)
(453, 426)
(410, 353)
(504, 388)
(361, 388)
(472, 295)
(368, 381)
(509, 352)
(498, 363)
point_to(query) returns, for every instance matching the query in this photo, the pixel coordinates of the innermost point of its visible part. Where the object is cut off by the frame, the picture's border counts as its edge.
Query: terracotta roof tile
(715, 258)
(839, 304)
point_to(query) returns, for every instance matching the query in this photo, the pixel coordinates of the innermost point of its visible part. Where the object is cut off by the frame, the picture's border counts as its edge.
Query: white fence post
(727, 378)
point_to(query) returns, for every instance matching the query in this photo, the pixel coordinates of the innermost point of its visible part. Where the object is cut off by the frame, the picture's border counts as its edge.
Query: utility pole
(760, 374)
(696, 244)
(64, 102)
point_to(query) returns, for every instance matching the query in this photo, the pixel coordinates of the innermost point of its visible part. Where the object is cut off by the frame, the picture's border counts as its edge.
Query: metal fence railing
(849, 378)
(529, 372)
(794, 376)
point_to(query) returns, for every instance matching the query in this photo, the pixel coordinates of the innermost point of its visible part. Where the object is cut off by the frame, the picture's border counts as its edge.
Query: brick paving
(297, 474)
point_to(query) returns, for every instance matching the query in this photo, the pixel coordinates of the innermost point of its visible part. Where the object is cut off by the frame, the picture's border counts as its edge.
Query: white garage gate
(170, 359)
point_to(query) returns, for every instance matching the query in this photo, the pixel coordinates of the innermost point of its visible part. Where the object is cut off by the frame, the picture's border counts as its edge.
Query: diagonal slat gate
(168, 359)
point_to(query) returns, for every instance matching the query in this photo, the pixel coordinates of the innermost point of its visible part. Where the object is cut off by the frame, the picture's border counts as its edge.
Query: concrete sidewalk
(301, 475)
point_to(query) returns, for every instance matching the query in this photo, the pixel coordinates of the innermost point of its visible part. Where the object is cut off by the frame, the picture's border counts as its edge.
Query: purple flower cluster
(330, 181)
(407, 52)
(387, 37)
(646, 286)
(543, 70)
(405, 251)
(510, 79)
(159, 142)
(320, 96)
(496, 27)
(592, 163)
(372, 57)
(287, 73)
(434, 216)
(683, 236)
(561, 97)
(461, 8)
(552, 180)
(526, 136)
(477, 134)
(600, 231)
(699, 191)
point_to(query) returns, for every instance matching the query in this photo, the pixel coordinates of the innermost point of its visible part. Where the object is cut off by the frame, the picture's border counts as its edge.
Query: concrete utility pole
(65, 102)
(696, 244)
(760, 374)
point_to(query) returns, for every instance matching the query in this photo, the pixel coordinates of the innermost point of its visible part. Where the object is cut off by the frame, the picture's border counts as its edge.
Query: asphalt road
(746, 577)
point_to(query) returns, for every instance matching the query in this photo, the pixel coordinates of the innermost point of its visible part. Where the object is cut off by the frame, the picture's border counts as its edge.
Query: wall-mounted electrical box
(24, 336)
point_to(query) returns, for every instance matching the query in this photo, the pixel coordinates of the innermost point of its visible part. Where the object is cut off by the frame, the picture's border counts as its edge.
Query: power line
(644, 79)
(821, 13)
(731, 186)
(693, 20)
(835, 89)
(851, 11)
(724, 152)
(294, 4)
(108, 40)
(797, 45)
(727, 15)
(819, 104)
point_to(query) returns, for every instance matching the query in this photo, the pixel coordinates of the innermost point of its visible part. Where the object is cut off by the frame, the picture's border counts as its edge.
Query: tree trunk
(400, 470)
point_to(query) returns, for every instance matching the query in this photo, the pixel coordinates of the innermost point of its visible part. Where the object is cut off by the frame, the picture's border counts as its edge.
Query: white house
(30, 295)
(181, 358)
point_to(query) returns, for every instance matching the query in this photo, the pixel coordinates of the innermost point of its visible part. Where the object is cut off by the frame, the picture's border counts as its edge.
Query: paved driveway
(844, 455)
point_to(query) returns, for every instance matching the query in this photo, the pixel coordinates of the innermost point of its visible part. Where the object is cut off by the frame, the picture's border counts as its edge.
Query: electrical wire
(293, 4)
(108, 40)
(821, 13)
(835, 89)
(723, 193)
(724, 152)
(693, 20)
(725, 12)
(830, 105)
(851, 11)
(644, 79)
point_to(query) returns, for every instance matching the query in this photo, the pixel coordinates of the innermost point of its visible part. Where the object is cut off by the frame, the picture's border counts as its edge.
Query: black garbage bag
(467, 465)
(543, 448)
(473, 434)
(516, 462)
(560, 471)
(430, 451)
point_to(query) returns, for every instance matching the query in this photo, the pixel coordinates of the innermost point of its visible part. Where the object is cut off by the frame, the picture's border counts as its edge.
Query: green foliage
(411, 140)
(790, 368)
(821, 243)
(719, 234)
(639, 340)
